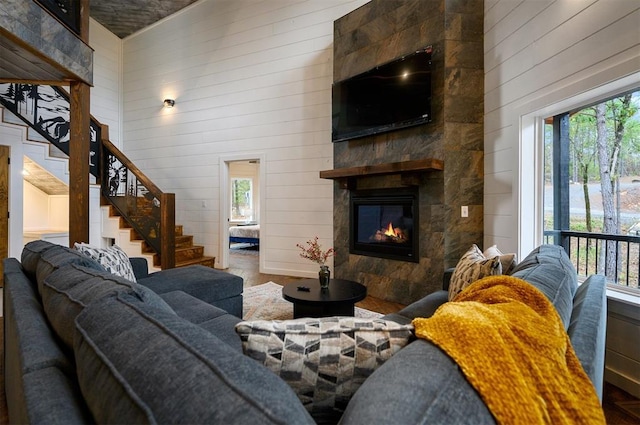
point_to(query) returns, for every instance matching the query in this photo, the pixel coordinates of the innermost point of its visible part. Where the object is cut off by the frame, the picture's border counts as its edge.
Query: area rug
(265, 302)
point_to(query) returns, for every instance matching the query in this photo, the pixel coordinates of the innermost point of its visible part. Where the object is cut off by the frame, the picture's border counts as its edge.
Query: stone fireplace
(449, 149)
(383, 223)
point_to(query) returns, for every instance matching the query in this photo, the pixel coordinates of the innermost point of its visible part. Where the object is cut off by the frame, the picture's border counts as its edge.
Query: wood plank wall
(249, 78)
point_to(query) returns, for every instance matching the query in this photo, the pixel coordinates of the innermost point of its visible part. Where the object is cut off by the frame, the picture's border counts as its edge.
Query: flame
(390, 231)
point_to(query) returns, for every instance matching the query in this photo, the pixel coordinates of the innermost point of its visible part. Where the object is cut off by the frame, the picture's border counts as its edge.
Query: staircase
(114, 226)
(117, 228)
(47, 110)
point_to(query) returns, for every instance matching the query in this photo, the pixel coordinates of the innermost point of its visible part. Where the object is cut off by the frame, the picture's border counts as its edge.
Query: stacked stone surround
(374, 34)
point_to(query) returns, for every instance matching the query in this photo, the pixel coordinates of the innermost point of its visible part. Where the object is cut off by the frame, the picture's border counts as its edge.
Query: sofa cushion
(473, 265)
(112, 258)
(31, 254)
(215, 287)
(424, 307)
(549, 269)
(176, 373)
(216, 320)
(418, 385)
(67, 291)
(58, 256)
(324, 360)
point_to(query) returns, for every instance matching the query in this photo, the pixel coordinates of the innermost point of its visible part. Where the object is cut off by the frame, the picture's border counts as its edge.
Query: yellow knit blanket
(509, 342)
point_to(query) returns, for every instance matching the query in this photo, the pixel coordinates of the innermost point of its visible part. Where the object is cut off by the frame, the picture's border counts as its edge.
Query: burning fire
(390, 234)
(391, 231)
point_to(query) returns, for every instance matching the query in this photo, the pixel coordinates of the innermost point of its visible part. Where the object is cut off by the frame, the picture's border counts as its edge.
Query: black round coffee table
(337, 300)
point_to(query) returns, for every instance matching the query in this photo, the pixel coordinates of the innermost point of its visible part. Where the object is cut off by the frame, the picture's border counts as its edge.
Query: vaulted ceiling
(125, 17)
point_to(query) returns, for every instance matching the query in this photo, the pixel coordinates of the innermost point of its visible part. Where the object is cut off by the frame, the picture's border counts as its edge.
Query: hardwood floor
(245, 264)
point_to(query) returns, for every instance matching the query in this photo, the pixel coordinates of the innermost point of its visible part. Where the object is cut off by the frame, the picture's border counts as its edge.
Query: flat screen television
(388, 97)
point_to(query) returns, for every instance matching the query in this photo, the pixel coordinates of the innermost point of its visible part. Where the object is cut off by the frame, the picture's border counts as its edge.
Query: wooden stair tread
(186, 252)
(201, 260)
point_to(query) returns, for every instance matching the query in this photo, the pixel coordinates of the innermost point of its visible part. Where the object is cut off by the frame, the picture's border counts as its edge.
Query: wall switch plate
(464, 211)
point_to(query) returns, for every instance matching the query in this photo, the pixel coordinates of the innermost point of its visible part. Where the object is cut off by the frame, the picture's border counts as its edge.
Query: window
(592, 187)
(241, 199)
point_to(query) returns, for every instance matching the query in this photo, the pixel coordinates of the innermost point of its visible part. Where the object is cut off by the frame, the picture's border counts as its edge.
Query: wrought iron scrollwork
(132, 198)
(143, 205)
(46, 109)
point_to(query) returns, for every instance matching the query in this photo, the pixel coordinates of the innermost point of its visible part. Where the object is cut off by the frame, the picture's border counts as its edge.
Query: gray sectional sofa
(84, 346)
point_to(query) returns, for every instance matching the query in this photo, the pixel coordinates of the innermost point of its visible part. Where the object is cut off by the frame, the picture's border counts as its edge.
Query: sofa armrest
(588, 326)
(424, 307)
(140, 267)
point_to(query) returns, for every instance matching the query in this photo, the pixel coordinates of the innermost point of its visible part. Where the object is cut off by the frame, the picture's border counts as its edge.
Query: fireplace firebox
(384, 223)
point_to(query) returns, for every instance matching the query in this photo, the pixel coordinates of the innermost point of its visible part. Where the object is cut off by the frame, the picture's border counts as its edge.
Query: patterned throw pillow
(508, 261)
(324, 360)
(473, 265)
(113, 258)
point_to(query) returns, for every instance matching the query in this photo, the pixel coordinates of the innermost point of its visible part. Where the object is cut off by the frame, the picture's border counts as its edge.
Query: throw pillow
(113, 258)
(324, 360)
(473, 265)
(507, 261)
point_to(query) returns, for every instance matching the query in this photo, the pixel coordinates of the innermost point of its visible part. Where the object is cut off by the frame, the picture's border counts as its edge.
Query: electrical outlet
(464, 211)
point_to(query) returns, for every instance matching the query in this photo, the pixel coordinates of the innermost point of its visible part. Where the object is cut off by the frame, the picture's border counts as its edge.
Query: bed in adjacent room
(245, 234)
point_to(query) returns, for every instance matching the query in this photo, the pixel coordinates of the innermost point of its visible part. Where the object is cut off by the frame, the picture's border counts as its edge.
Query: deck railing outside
(615, 256)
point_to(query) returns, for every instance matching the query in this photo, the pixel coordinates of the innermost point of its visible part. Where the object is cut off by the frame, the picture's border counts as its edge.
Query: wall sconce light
(168, 103)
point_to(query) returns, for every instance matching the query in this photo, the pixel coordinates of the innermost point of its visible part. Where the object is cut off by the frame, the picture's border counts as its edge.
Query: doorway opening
(241, 212)
(244, 212)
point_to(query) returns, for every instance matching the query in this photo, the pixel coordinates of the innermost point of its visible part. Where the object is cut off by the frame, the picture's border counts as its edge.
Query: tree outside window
(241, 199)
(592, 182)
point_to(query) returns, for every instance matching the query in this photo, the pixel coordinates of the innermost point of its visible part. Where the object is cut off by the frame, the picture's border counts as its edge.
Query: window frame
(533, 126)
(250, 198)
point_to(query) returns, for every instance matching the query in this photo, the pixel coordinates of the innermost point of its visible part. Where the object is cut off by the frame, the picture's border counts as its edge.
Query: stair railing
(46, 110)
(148, 210)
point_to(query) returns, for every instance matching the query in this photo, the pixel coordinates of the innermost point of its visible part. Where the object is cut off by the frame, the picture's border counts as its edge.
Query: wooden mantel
(347, 176)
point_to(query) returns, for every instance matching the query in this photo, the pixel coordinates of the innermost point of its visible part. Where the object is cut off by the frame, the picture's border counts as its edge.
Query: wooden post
(84, 21)
(80, 139)
(168, 231)
(79, 142)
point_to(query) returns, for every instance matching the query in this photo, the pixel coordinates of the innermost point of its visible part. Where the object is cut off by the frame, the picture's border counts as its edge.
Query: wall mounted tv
(388, 97)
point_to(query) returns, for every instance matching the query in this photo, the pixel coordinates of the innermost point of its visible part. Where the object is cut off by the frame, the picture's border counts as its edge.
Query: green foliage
(623, 126)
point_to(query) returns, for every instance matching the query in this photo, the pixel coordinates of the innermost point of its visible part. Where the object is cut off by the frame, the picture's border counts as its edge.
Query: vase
(324, 275)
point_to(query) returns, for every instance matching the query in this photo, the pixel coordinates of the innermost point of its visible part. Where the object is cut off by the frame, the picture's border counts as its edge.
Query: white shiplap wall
(544, 57)
(106, 105)
(106, 93)
(539, 53)
(13, 136)
(250, 78)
